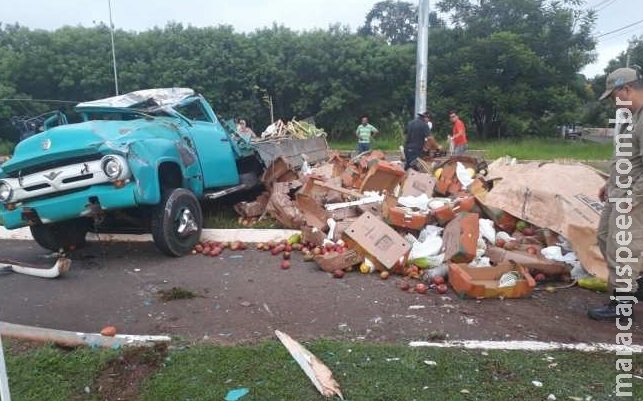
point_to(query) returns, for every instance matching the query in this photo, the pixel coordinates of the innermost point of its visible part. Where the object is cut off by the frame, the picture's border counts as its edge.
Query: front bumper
(70, 206)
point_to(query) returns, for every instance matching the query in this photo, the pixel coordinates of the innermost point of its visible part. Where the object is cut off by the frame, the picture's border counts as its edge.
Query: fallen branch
(61, 266)
(316, 371)
(75, 339)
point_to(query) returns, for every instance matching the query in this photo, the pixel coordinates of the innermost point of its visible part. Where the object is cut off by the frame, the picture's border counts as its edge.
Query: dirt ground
(243, 296)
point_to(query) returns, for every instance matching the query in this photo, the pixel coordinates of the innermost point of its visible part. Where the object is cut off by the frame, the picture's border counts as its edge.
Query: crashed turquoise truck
(142, 162)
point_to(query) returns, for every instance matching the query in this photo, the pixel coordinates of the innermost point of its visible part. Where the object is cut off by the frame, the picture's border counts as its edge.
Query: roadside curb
(249, 235)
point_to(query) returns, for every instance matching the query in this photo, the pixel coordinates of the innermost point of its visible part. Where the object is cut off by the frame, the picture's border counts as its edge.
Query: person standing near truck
(415, 135)
(620, 229)
(364, 133)
(458, 135)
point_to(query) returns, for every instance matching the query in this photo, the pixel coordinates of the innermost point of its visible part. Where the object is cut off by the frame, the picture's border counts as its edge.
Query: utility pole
(422, 57)
(111, 31)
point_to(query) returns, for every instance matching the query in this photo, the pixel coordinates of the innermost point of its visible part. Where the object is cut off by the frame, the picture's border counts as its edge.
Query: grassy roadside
(524, 149)
(368, 372)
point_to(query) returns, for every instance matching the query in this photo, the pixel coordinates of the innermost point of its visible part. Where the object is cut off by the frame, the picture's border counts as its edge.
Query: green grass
(523, 149)
(52, 374)
(368, 372)
(6, 147)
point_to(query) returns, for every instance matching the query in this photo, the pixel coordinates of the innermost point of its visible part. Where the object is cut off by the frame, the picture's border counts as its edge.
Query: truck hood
(86, 139)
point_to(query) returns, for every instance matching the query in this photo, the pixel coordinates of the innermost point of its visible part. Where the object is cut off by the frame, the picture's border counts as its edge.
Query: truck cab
(141, 162)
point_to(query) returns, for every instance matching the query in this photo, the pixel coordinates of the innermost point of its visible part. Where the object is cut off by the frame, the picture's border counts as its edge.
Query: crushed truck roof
(145, 98)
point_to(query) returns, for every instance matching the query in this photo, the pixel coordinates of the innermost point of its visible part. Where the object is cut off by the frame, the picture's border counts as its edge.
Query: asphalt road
(244, 296)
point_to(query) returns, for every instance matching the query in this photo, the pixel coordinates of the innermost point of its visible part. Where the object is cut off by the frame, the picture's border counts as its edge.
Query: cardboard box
(278, 171)
(253, 209)
(461, 238)
(344, 213)
(282, 208)
(500, 256)
(375, 239)
(312, 235)
(340, 227)
(502, 219)
(416, 184)
(331, 261)
(313, 213)
(382, 176)
(483, 282)
(401, 216)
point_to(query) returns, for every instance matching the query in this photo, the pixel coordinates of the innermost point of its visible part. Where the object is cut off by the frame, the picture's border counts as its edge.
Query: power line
(605, 6)
(598, 4)
(620, 29)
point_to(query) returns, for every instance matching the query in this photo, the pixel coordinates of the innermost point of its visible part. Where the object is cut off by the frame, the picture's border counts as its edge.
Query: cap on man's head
(618, 78)
(424, 114)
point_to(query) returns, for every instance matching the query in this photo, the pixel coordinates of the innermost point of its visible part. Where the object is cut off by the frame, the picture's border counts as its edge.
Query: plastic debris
(237, 394)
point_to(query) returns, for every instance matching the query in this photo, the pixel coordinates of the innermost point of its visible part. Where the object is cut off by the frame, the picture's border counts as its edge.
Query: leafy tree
(395, 21)
(513, 64)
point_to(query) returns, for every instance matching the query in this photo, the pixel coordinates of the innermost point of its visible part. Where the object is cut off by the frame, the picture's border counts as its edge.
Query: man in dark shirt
(415, 135)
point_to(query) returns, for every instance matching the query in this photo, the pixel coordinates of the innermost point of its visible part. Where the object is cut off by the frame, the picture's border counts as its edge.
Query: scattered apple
(437, 280)
(108, 331)
(338, 273)
(532, 250)
(442, 289)
(288, 248)
(500, 242)
(198, 248)
(206, 250)
(529, 231)
(285, 264)
(286, 255)
(540, 277)
(421, 288)
(384, 275)
(309, 257)
(404, 285)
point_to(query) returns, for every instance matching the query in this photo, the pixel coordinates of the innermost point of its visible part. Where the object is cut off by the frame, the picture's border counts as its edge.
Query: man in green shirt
(364, 133)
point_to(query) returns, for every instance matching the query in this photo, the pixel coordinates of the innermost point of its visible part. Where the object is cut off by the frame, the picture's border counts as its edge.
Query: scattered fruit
(500, 242)
(540, 277)
(437, 280)
(364, 268)
(532, 250)
(309, 257)
(108, 331)
(442, 289)
(338, 273)
(511, 245)
(286, 255)
(529, 231)
(384, 275)
(404, 285)
(421, 288)
(285, 264)
(198, 248)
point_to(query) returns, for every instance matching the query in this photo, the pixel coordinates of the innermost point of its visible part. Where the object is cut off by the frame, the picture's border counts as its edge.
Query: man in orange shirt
(459, 134)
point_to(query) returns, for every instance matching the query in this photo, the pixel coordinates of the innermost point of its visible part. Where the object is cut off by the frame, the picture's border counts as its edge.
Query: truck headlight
(114, 167)
(5, 192)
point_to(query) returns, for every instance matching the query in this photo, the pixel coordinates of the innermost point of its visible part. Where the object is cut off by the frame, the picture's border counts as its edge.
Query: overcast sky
(248, 15)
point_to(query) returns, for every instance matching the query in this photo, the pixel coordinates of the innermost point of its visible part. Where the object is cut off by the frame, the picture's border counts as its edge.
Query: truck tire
(65, 235)
(177, 222)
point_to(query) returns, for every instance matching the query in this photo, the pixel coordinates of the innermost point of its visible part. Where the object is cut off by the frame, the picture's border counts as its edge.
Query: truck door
(213, 147)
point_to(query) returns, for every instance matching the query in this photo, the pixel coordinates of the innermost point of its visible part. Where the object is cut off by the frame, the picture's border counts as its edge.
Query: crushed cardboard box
(511, 196)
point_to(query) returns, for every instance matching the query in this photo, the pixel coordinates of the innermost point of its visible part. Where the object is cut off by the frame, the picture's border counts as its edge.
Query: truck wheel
(66, 235)
(177, 222)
